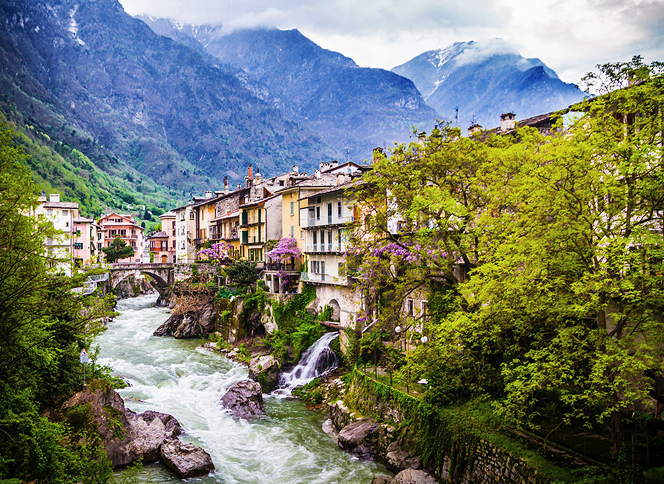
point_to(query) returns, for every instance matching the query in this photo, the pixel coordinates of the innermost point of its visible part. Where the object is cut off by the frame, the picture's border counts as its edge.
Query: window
(49, 211)
(301, 234)
(424, 307)
(317, 199)
(339, 209)
(292, 208)
(318, 213)
(78, 246)
(292, 231)
(191, 215)
(65, 212)
(410, 307)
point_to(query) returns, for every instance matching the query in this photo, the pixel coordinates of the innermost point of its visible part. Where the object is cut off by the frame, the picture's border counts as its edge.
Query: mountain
(354, 109)
(89, 75)
(485, 80)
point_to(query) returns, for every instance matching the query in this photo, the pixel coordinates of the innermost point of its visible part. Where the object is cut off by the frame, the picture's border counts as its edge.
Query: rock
(211, 346)
(192, 324)
(244, 399)
(186, 460)
(398, 459)
(382, 480)
(265, 370)
(150, 430)
(339, 414)
(359, 438)
(414, 476)
(125, 435)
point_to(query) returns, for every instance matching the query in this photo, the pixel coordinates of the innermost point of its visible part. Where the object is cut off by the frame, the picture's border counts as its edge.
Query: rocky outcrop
(244, 399)
(397, 458)
(185, 460)
(413, 476)
(192, 324)
(125, 435)
(131, 286)
(265, 370)
(407, 476)
(360, 438)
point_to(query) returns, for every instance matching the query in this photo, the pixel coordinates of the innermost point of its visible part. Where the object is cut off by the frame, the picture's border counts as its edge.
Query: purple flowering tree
(285, 251)
(219, 252)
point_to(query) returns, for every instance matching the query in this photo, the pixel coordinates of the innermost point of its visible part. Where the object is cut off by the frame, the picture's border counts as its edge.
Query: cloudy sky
(570, 36)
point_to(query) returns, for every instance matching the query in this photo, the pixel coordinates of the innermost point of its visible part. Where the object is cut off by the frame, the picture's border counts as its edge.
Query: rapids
(176, 377)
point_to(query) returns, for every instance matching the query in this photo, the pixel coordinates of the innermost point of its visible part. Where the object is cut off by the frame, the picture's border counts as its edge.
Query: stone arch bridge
(162, 275)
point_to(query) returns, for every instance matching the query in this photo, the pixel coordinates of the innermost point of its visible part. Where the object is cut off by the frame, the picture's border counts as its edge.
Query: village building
(124, 227)
(62, 216)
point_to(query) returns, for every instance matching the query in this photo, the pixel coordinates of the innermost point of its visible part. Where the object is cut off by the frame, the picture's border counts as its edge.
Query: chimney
(422, 137)
(474, 128)
(239, 185)
(507, 121)
(317, 174)
(251, 171)
(225, 184)
(295, 168)
(208, 194)
(377, 153)
(334, 164)
(54, 198)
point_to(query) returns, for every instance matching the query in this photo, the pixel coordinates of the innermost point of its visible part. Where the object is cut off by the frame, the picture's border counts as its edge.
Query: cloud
(570, 36)
(480, 51)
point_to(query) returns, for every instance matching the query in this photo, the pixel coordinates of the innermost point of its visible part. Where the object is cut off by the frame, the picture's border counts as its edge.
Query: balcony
(324, 278)
(325, 248)
(325, 221)
(280, 266)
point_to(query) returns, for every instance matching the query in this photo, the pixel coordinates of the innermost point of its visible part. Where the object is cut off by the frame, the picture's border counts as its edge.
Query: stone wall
(468, 460)
(183, 271)
(347, 299)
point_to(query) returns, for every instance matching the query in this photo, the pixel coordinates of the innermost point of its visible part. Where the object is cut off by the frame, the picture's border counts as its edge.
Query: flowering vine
(218, 252)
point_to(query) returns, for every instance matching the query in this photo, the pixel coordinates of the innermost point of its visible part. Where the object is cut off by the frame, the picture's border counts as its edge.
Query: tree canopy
(43, 327)
(117, 250)
(543, 254)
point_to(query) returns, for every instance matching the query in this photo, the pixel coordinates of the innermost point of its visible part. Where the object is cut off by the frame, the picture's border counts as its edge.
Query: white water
(315, 362)
(176, 377)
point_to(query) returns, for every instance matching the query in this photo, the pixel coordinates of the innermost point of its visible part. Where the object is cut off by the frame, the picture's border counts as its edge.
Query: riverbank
(178, 377)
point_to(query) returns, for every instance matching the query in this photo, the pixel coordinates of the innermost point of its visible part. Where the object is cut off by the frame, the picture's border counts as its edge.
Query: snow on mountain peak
(476, 52)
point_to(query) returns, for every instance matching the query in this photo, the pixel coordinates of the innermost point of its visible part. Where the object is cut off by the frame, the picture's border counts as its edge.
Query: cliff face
(86, 67)
(354, 109)
(484, 80)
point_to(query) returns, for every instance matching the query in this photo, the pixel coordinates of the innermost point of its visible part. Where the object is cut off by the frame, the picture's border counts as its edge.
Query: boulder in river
(359, 438)
(414, 476)
(192, 324)
(186, 460)
(244, 399)
(407, 476)
(125, 435)
(265, 370)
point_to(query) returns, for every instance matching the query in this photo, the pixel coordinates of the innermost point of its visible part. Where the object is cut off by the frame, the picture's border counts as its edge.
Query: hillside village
(317, 211)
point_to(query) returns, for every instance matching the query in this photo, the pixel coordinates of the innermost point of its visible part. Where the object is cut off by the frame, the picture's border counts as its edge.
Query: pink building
(127, 229)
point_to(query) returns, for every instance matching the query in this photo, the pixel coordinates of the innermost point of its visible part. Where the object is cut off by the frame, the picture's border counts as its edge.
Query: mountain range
(473, 82)
(354, 109)
(165, 104)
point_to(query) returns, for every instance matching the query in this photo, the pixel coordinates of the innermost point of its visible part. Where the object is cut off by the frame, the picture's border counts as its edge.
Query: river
(177, 377)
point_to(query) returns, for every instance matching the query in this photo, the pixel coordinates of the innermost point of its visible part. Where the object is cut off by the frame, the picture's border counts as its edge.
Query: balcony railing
(322, 277)
(325, 248)
(328, 220)
(280, 266)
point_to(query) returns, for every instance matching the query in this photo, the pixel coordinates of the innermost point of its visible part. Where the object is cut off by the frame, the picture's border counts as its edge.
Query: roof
(228, 215)
(159, 235)
(168, 214)
(71, 205)
(337, 188)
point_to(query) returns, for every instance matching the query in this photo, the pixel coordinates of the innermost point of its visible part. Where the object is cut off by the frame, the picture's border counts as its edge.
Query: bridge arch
(161, 275)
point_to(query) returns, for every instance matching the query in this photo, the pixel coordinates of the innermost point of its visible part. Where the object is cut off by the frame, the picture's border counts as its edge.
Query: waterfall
(315, 362)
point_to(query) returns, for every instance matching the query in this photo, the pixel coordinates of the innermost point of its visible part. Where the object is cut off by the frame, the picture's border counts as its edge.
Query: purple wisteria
(286, 248)
(218, 252)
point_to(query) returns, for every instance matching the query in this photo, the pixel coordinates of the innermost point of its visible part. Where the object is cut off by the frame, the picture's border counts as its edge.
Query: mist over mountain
(90, 75)
(484, 80)
(354, 109)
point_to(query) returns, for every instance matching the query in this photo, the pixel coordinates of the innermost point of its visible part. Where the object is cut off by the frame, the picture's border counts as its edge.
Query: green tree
(242, 273)
(117, 250)
(42, 330)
